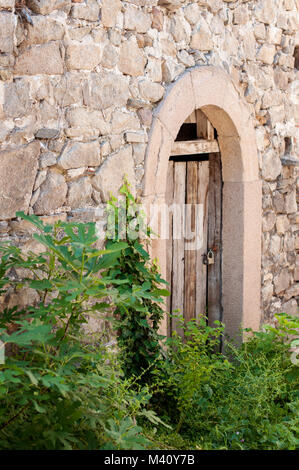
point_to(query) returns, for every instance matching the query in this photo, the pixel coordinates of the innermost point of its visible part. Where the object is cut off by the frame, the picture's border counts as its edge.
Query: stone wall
(79, 81)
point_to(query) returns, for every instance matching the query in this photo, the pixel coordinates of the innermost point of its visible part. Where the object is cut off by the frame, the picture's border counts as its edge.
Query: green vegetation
(60, 391)
(250, 401)
(137, 324)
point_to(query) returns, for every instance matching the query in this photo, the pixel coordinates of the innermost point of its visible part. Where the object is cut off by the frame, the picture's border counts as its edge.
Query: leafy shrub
(191, 361)
(249, 402)
(57, 392)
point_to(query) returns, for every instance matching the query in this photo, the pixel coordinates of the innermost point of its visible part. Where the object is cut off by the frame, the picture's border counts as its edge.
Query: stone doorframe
(212, 90)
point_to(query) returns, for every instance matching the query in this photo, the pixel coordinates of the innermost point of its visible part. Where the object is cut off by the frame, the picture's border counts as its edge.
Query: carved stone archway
(212, 90)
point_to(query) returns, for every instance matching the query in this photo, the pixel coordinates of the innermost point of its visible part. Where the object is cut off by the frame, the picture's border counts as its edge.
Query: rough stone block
(79, 194)
(265, 11)
(275, 245)
(180, 29)
(271, 166)
(288, 20)
(16, 99)
(109, 177)
(110, 9)
(18, 169)
(249, 45)
(192, 13)
(41, 177)
(47, 133)
(136, 20)
(290, 307)
(123, 121)
(274, 35)
(47, 6)
(267, 293)
(282, 281)
(88, 12)
(263, 76)
(241, 15)
(266, 54)
(186, 59)
(291, 202)
(171, 5)
(42, 59)
(276, 114)
(110, 56)
(158, 19)
(131, 60)
(168, 47)
(139, 153)
(83, 56)
(52, 194)
(282, 224)
(146, 116)
(9, 4)
(154, 69)
(281, 79)
(68, 89)
(260, 31)
(79, 154)
(78, 34)
(6, 32)
(271, 98)
(135, 137)
(44, 29)
(47, 159)
(151, 91)
(201, 38)
(268, 221)
(85, 117)
(171, 70)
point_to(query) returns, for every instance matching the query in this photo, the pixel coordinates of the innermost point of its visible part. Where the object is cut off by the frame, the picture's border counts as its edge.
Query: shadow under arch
(212, 90)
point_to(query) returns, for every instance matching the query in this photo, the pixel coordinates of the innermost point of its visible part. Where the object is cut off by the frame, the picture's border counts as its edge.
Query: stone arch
(212, 90)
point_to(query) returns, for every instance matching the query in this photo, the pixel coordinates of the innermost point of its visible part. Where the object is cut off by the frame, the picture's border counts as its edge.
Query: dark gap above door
(188, 131)
(203, 157)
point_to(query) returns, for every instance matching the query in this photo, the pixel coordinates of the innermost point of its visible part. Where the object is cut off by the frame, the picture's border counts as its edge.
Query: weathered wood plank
(214, 238)
(190, 233)
(193, 147)
(169, 244)
(191, 119)
(201, 268)
(205, 130)
(178, 262)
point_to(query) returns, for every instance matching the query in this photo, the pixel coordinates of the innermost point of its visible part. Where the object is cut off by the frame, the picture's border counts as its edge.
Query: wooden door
(194, 185)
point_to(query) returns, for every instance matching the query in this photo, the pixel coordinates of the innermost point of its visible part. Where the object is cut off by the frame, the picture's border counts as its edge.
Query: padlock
(211, 257)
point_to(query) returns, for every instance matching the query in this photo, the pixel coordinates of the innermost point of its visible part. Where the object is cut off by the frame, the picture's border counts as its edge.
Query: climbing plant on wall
(137, 325)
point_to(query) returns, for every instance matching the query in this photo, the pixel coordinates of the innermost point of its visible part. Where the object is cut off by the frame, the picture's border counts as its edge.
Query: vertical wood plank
(178, 262)
(201, 268)
(191, 119)
(214, 238)
(169, 243)
(190, 254)
(205, 130)
(210, 131)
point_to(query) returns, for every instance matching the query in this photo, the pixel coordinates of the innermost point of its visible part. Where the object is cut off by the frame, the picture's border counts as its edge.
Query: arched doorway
(212, 91)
